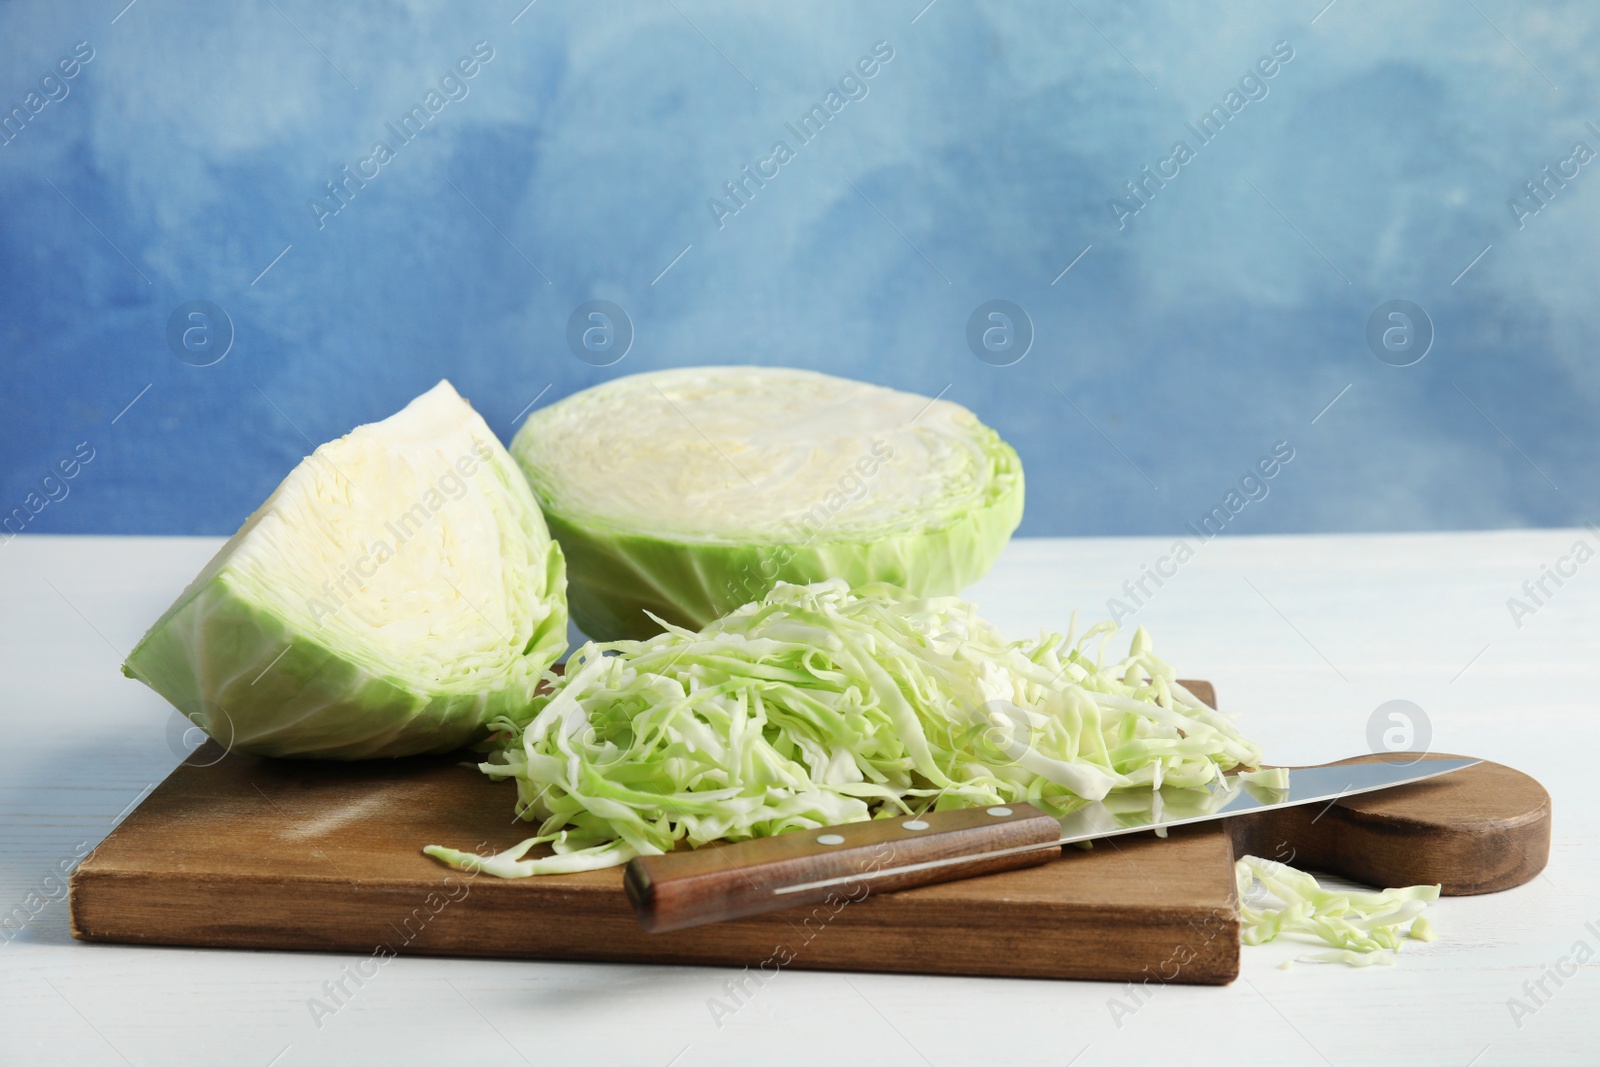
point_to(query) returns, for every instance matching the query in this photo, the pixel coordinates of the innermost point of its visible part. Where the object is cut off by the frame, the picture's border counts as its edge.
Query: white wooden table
(1304, 637)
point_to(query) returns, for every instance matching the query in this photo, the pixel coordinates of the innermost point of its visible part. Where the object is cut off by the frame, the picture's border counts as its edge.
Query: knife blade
(726, 881)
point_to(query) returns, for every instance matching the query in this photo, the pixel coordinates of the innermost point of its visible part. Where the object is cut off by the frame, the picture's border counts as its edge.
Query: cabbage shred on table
(1358, 925)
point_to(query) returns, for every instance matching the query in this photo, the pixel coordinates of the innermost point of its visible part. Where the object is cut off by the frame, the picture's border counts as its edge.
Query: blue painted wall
(187, 158)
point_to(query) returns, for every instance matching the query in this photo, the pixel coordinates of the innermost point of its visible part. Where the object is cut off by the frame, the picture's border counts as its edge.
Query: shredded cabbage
(817, 706)
(1357, 925)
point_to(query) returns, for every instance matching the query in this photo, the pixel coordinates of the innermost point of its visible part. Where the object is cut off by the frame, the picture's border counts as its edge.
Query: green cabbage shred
(817, 706)
(1358, 926)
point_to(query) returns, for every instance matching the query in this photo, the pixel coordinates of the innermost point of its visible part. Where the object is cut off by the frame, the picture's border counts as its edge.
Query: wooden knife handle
(729, 881)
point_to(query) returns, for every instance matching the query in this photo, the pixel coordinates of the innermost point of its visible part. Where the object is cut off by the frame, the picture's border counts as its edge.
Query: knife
(729, 881)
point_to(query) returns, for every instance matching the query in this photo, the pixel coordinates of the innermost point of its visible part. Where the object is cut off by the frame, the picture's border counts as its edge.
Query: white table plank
(1304, 636)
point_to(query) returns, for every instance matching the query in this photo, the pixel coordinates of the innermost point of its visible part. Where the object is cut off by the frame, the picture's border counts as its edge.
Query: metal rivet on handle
(999, 813)
(830, 839)
(915, 824)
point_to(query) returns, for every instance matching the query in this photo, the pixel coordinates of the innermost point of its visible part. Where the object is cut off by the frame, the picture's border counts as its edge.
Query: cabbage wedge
(396, 592)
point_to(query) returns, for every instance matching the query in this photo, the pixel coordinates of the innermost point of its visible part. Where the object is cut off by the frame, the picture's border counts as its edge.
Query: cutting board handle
(1479, 830)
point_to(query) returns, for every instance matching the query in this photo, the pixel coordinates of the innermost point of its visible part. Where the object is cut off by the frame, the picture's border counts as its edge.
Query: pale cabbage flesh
(747, 454)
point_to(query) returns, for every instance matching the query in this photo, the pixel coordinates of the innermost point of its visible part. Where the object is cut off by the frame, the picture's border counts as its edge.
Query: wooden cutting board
(237, 851)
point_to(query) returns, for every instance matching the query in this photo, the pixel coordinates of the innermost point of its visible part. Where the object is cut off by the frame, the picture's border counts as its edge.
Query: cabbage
(1358, 925)
(396, 592)
(818, 706)
(683, 494)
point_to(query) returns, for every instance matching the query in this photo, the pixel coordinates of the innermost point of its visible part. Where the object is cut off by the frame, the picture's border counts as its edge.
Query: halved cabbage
(687, 493)
(397, 591)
